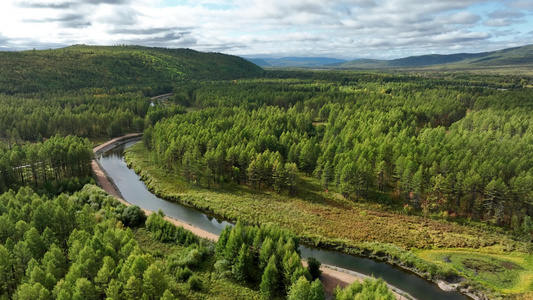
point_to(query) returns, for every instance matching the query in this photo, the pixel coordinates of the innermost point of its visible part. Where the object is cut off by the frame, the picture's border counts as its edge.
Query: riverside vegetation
(61, 239)
(435, 162)
(90, 246)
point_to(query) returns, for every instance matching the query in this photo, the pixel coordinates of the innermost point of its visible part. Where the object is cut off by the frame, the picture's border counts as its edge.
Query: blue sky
(343, 29)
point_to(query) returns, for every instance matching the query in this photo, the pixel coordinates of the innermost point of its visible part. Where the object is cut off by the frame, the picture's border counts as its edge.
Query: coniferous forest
(430, 171)
(433, 146)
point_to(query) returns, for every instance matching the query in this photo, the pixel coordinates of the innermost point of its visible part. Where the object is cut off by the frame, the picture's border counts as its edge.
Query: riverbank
(312, 219)
(108, 185)
(331, 276)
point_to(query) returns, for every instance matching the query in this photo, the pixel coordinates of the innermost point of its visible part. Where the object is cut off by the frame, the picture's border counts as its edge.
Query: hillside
(296, 62)
(82, 66)
(519, 56)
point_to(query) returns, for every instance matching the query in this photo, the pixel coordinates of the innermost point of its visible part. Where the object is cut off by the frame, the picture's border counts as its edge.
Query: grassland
(328, 219)
(508, 273)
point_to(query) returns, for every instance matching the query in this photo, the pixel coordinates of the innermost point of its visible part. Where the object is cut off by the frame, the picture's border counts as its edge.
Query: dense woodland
(434, 146)
(87, 113)
(446, 145)
(114, 68)
(89, 246)
(62, 160)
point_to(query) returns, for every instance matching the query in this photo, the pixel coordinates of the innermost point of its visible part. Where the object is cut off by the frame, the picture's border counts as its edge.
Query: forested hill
(519, 56)
(83, 66)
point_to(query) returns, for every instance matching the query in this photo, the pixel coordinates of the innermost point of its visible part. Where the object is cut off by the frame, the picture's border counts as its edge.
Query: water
(134, 191)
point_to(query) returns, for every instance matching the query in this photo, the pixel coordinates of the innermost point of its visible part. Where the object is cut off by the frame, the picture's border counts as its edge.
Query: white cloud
(343, 28)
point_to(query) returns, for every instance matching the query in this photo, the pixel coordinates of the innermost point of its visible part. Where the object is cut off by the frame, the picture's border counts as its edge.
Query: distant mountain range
(518, 56)
(506, 57)
(296, 62)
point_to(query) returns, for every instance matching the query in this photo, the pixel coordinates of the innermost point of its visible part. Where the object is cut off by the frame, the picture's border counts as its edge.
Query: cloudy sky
(343, 29)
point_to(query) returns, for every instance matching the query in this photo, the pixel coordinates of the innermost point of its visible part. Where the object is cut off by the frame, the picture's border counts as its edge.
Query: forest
(61, 237)
(428, 146)
(428, 171)
(87, 245)
(119, 68)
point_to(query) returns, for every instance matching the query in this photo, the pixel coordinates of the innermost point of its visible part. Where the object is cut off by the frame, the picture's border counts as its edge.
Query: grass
(510, 273)
(324, 217)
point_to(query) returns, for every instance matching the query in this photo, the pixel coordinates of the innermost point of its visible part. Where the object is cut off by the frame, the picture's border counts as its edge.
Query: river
(134, 191)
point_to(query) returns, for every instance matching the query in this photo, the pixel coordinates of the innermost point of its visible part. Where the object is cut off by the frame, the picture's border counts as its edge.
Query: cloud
(3, 41)
(68, 20)
(56, 5)
(524, 4)
(66, 4)
(145, 31)
(506, 14)
(342, 28)
(504, 17)
(464, 18)
(112, 2)
(175, 39)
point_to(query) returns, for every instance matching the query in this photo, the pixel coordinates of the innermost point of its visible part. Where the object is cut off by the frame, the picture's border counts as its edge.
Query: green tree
(241, 268)
(291, 177)
(84, 289)
(155, 281)
(316, 291)
(299, 290)
(270, 280)
(313, 266)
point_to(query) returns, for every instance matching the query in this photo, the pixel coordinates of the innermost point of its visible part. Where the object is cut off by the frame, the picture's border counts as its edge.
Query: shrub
(313, 266)
(182, 274)
(223, 269)
(195, 283)
(133, 216)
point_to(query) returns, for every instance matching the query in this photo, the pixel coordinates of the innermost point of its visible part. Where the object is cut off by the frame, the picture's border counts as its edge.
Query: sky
(382, 29)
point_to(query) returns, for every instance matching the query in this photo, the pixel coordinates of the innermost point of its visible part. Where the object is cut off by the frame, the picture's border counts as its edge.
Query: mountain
(518, 56)
(296, 62)
(83, 66)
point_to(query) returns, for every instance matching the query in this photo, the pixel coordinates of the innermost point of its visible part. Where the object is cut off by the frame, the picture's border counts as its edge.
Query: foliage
(507, 273)
(165, 231)
(267, 249)
(59, 158)
(313, 266)
(316, 214)
(81, 66)
(133, 216)
(451, 149)
(410, 141)
(75, 247)
(195, 283)
(368, 289)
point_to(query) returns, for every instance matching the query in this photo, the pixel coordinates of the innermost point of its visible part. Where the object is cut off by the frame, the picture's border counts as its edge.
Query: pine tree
(242, 264)
(270, 280)
(155, 281)
(299, 290)
(316, 291)
(291, 177)
(220, 248)
(313, 266)
(279, 176)
(266, 252)
(234, 243)
(104, 275)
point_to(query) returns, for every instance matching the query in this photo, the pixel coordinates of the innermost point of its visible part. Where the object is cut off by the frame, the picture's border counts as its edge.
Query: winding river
(134, 191)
